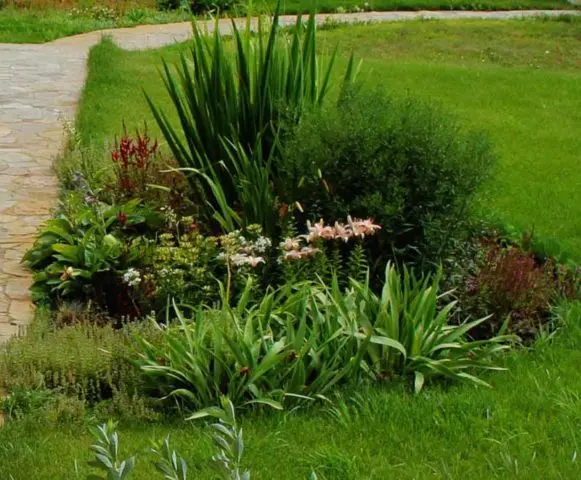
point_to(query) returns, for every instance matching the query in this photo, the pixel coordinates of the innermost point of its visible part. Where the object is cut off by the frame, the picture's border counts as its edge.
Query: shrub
(511, 283)
(402, 162)
(267, 83)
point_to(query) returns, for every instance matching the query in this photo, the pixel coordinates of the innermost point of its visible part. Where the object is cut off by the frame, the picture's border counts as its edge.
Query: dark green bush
(401, 161)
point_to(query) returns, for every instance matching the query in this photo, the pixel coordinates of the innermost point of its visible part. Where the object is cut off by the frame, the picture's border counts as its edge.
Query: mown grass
(42, 22)
(518, 80)
(526, 426)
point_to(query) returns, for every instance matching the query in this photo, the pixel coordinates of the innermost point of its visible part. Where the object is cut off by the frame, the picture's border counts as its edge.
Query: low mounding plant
(86, 242)
(302, 341)
(89, 362)
(402, 162)
(264, 85)
(514, 286)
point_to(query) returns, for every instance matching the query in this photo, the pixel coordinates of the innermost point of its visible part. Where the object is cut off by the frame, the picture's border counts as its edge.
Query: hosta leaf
(68, 252)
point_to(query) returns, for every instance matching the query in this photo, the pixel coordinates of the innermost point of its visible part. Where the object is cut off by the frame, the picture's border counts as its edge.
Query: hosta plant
(86, 239)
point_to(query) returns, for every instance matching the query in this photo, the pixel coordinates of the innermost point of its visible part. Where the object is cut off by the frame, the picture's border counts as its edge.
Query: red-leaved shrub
(512, 285)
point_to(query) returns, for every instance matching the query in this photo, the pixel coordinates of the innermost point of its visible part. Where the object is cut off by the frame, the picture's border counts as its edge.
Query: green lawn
(294, 6)
(39, 26)
(518, 80)
(526, 426)
(43, 25)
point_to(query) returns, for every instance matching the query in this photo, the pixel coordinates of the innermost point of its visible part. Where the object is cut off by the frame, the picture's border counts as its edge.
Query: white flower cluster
(241, 259)
(132, 277)
(239, 251)
(261, 245)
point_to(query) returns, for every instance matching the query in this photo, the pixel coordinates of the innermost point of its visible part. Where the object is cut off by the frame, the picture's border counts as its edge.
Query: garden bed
(309, 243)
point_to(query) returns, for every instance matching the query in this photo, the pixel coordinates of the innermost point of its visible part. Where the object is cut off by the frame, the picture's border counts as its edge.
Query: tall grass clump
(233, 104)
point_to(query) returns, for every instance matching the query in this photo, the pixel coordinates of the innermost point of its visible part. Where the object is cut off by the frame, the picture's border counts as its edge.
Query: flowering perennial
(239, 251)
(132, 277)
(133, 158)
(293, 248)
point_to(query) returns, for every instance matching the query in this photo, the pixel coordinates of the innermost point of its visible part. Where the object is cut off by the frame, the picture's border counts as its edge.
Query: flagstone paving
(39, 89)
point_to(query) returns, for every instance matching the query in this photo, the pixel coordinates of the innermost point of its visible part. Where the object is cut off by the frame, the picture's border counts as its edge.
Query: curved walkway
(39, 89)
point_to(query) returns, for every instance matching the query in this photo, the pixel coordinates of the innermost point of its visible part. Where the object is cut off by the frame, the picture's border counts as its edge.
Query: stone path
(39, 85)
(39, 89)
